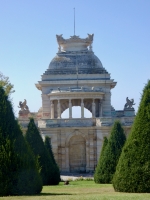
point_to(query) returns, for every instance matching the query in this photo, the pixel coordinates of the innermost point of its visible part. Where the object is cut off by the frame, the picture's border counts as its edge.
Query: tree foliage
(18, 168)
(36, 143)
(8, 166)
(111, 154)
(133, 169)
(5, 83)
(56, 168)
(96, 174)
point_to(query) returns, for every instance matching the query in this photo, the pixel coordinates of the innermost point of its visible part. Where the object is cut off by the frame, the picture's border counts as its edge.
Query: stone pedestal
(24, 114)
(129, 112)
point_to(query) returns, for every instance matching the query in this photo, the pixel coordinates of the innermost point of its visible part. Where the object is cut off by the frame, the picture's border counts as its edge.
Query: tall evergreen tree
(8, 166)
(56, 175)
(18, 167)
(112, 151)
(96, 174)
(36, 143)
(133, 169)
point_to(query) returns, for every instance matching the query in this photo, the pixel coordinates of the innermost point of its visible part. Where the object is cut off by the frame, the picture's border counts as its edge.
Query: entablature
(76, 95)
(74, 82)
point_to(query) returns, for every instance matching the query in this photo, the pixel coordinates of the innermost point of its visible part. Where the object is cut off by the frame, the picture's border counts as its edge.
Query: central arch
(77, 154)
(64, 105)
(76, 102)
(76, 113)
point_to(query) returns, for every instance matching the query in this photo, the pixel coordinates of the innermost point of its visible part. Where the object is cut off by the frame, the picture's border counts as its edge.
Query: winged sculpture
(23, 105)
(129, 103)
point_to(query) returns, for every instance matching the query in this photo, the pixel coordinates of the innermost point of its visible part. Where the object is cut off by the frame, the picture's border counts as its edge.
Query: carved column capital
(82, 100)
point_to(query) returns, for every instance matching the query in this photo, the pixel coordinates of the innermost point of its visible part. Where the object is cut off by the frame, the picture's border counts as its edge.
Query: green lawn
(81, 190)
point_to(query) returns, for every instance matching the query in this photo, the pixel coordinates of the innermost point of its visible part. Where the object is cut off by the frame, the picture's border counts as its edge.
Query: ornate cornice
(74, 43)
(76, 95)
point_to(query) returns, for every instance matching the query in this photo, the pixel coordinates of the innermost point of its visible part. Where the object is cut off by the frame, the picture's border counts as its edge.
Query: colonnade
(70, 108)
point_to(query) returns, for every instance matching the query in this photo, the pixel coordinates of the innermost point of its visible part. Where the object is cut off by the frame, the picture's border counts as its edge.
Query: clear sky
(121, 41)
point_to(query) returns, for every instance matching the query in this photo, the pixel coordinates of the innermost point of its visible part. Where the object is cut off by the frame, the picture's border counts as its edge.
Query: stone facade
(76, 77)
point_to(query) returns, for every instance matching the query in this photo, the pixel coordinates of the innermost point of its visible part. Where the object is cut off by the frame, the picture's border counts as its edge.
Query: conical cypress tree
(133, 169)
(56, 176)
(96, 174)
(25, 178)
(8, 166)
(49, 148)
(109, 160)
(36, 143)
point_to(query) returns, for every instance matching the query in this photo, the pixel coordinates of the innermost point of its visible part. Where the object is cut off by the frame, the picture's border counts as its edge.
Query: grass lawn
(81, 190)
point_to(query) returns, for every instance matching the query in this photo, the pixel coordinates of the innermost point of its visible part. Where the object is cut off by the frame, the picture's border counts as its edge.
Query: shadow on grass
(52, 194)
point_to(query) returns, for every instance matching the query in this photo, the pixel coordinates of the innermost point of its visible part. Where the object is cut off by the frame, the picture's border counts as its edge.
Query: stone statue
(59, 38)
(23, 106)
(90, 37)
(74, 43)
(129, 103)
(90, 40)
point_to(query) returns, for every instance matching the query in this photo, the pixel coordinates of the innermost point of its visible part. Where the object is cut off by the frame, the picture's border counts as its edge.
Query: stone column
(67, 159)
(100, 108)
(59, 109)
(87, 156)
(82, 108)
(52, 110)
(70, 109)
(93, 108)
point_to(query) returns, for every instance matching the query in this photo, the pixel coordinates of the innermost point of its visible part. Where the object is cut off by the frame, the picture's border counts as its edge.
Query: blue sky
(121, 41)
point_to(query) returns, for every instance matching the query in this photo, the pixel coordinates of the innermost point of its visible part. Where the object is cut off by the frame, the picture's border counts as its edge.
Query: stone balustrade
(85, 122)
(123, 113)
(66, 123)
(108, 121)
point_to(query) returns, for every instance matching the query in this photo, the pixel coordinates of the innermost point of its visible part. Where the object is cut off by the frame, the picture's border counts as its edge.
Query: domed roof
(74, 56)
(84, 63)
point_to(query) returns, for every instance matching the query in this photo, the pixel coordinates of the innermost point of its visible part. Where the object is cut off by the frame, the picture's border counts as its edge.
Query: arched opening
(77, 154)
(76, 113)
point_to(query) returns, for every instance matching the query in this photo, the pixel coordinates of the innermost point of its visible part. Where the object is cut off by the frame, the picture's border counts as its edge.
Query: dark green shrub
(56, 176)
(16, 157)
(96, 174)
(133, 169)
(112, 151)
(36, 143)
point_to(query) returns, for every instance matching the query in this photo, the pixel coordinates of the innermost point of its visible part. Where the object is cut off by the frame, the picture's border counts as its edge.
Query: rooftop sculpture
(23, 106)
(74, 43)
(129, 103)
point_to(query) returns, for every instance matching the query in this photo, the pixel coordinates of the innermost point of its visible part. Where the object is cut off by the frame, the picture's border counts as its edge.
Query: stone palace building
(76, 77)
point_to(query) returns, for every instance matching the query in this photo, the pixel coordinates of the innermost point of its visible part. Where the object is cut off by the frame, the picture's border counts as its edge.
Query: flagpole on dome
(74, 21)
